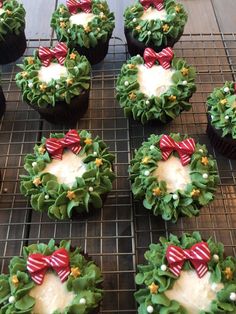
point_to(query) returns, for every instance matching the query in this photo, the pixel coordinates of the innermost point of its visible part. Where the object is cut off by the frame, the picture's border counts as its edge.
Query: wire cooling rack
(117, 235)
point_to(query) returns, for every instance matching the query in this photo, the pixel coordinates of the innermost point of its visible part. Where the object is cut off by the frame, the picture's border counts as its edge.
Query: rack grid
(117, 235)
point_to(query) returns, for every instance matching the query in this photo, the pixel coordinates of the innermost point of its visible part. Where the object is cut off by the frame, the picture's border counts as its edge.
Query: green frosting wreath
(156, 32)
(170, 206)
(59, 200)
(222, 109)
(99, 29)
(12, 20)
(15, 287)
(156, 271)
(63, 89)
(169, 105)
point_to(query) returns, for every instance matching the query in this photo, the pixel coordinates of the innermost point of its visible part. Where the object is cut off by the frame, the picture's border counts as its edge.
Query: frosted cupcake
(86, 26)
(12, 31)
(68, 173)
(187, 275)
(157, 86)
(56, 83)
(173, 175)
(221, 127)
(51, 279)
(156, 24)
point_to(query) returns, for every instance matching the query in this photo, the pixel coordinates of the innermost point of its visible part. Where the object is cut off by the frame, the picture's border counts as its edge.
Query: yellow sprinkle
(228, 273)
(69, 81)
(223, 101)
(87, 29)
(70, 195)
(75, 272)
(204, 161)
(24, 74)
(131, 66)
(156, 192)
(9, 12)
(61, 10)
(132, 96)
(185, 71)
(153, 288)
(88, 141)
(43, 87)
(41, 150)
(98, 162)
(37, 181)
(62, 24)
(165, 27)
(72, 56)
(177, 9)
(138, 28)
(14, 280)
(195, 193)
(172, 98)
(30, 60)
(145, 160)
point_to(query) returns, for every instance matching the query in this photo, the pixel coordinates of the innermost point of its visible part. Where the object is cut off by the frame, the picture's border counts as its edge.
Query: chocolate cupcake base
(2, 103)
(63, 112)
(225, 145)
(136, 47)
(94, 54)
(12, 48)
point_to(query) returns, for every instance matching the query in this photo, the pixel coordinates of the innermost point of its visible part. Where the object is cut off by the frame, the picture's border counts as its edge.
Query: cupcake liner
(2, 103)
(224, 145)
(63, 112)
(136, 47)
(12, 48)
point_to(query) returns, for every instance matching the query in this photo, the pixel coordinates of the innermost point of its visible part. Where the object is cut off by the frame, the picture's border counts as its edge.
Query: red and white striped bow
(38, 264)
(157, 3)
(164, 57)
(1, 4)
(59, 52)
(185, 149)
(55, 146)
(74, 5)
(199, 255)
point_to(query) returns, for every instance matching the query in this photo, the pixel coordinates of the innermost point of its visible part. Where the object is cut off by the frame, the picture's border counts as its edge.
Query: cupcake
(51, 279)
(86, 26)
(68, 173)
(157, 86)
(12, 31)
(173, 175)
(187, 275)
(2, 102)
(221, 127)
(153, 23)
(56, 83)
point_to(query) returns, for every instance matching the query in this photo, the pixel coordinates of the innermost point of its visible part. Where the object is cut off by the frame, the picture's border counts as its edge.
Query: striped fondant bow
(38, 264)
(164, 57)
(199, 255)
(157, 3)
(59, 52)
(74, 5)
(185, 149)
(55, 146)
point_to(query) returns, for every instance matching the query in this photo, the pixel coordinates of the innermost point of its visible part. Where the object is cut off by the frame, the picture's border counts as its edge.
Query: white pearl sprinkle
(226, 117)
(205, 176)
(150, 309)
(200, 150)
(216, 257)
(232, 296)
(163, 267)
(57, 86)
(61, 19)
(126, 83)
(185, 82)
(134, 19)
(226, 89)
(214, 286)
(146, 173)
(149, 32)
(30, 84)
(90, 189)
(152, 147)
(95, 153)
(175, 197)
(75, 68)
(82, 301)
(98, 29)
(11, 299)
(68, 31)
(212, 117)
(2, 19)
(147, 102)
(34, 164)
(46, 197)
(173, 14)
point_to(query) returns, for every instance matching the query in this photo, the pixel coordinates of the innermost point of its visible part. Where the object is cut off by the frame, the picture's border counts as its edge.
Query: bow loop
(158, 4)
(71, 141)
(199, 255)
(74, 5)
(185, 149)
(59, 52)
(38, 264)
(164, 57)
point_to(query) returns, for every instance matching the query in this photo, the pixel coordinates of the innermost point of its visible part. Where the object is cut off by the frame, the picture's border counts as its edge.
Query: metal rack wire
(117, 235)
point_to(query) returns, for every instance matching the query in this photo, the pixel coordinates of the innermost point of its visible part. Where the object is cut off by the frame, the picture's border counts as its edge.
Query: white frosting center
(173, 173)
(81, 18)
(53, 72)
(193, 293)
(68, 169)
(1, 11)
(51, 295)
(153, 14)
(154, 81)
